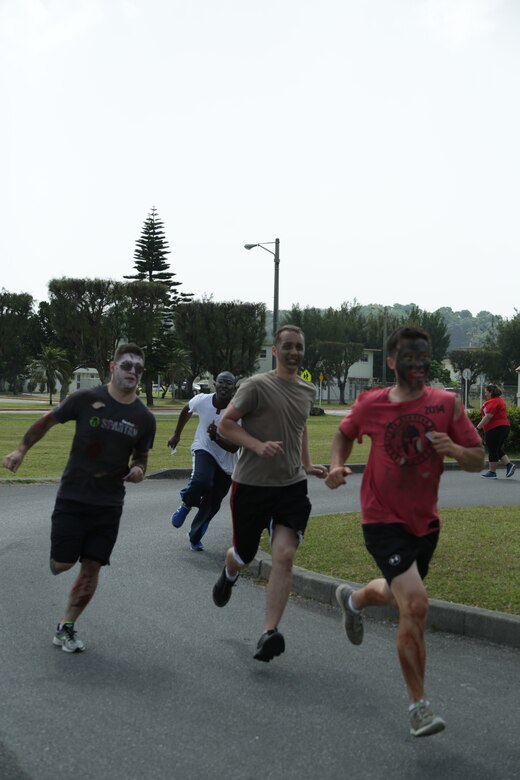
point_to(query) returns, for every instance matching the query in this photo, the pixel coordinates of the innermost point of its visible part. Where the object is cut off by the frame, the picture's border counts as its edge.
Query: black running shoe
(270, 644)
(222, 589)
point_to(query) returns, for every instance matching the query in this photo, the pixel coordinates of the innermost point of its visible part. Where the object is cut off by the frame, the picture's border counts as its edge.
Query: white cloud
(40, 25)
(460, 21)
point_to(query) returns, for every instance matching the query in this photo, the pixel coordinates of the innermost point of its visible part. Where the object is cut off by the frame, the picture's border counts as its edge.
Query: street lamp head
(250, 246)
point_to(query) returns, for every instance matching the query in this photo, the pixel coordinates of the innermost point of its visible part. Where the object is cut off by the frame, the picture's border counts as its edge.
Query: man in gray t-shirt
(269, 481)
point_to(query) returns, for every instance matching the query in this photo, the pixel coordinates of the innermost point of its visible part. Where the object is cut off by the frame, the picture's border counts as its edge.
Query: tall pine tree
(150, 258)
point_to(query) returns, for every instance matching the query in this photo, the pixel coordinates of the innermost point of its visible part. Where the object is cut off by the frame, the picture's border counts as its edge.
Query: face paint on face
(225, 386)
(127, 372)
(412, 362)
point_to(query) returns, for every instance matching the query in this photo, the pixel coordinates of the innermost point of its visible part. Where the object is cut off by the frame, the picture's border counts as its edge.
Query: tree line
(84, 320)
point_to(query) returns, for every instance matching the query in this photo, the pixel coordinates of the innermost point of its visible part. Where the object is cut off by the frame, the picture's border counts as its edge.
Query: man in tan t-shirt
(269, 481)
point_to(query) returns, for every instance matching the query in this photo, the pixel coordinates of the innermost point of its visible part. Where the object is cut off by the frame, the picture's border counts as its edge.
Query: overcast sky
(378, 139)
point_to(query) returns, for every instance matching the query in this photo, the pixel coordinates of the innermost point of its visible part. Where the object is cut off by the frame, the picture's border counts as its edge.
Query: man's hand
(13, 461)
(443, 445)
(136, 474)
(212, 431)
(173, 441)
(338, 476)
(269, 449)
(317, 471)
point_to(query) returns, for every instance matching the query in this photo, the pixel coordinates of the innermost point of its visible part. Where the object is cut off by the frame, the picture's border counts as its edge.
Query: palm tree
(51, 365)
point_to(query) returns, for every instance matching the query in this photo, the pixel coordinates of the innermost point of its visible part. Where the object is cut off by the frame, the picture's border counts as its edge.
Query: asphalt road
(168, 687)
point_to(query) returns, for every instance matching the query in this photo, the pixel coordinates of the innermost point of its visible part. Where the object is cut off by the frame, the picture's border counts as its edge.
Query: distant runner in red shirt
(412, 428)
(496, 426)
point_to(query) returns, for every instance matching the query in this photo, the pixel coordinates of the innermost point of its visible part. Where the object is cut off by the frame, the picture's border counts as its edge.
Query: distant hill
(465, 330)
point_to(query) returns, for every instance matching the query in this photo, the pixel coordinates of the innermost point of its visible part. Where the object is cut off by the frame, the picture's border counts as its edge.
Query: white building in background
(84, 379)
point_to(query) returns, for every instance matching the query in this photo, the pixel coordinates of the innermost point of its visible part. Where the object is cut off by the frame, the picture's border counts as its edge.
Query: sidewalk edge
(498, 627)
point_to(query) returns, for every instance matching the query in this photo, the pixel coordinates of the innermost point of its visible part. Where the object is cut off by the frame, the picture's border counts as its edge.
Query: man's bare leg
(283, 549)
(412, 601)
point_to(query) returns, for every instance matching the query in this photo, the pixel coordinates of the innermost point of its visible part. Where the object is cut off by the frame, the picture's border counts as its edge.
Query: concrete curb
(497, 627)
(357, 468)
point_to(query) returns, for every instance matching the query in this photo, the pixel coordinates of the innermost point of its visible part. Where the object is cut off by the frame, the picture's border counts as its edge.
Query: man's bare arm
(234, 433)
(138, 466)
(37, 431)
(341, 449)
(184, 416)
(310, 468)
(223, 443)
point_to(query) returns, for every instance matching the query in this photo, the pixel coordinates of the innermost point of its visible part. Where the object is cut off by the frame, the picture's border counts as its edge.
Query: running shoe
(180, 515)
(352, 621)
(67, 638)
(489, 475)
(197, 547)
(222, 589)
(423, 722)
(270, 644)
(510, 469)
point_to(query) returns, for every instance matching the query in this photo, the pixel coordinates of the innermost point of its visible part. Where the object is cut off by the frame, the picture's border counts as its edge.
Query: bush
(513, 413)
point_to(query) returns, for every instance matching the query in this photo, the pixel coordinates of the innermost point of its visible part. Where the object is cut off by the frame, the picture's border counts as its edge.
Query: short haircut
(494, 390)
(406, 332)
(128, 349)
(291, 328)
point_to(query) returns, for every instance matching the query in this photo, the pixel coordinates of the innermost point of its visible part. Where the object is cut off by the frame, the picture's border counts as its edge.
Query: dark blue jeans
(207, 487)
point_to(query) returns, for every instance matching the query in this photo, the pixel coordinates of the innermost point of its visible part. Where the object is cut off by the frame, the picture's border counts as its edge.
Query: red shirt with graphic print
(401, 480)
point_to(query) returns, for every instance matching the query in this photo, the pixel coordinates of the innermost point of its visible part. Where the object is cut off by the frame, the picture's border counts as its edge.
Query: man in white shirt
(213, 459)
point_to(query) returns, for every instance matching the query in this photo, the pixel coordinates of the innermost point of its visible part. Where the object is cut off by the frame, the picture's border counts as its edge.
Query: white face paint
(127, 372)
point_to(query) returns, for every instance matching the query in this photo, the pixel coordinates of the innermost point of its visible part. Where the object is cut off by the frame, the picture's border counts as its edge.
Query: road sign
(466, 374)
(322, 378)
(306, 375)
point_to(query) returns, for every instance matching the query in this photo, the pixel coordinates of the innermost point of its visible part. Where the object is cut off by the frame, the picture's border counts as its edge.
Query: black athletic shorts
(394, 549)
(83, 531)
(256, 508)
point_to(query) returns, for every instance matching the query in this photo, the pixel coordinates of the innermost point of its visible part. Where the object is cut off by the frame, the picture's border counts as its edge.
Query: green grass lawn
(477, 561)
(49, 455)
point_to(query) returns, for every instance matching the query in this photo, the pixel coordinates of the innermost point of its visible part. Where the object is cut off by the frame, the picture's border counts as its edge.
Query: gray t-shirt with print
(273, 409)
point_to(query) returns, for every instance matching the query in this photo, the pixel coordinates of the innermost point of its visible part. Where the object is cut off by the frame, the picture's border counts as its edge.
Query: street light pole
(276, 255)
(276, 281)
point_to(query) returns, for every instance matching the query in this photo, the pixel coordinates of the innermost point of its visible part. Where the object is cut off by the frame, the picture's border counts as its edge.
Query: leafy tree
(51, 365)
(329, 326)
(310, 320)
(477, 360)
(439, 373)
(378, 325)
(89, 318)
(150, 258)
(18, 336)
(336, 359)
(221, 336)
(505, 339)
(434, 324)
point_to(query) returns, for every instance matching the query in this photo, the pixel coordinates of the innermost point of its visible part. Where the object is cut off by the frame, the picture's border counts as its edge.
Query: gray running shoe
(352, 621)
(510, 469)
(489, 475)
(67, 638)
(423, 721)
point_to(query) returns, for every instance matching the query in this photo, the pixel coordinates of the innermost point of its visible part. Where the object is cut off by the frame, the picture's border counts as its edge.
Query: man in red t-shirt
(412, 428)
